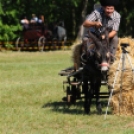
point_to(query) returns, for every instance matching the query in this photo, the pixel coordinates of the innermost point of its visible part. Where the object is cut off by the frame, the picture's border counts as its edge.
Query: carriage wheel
(68, 92)
(41, 43)
(71, 96)
(19, 44)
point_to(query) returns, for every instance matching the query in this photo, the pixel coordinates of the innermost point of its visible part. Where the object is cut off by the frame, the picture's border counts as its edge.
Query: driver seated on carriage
(105, 15)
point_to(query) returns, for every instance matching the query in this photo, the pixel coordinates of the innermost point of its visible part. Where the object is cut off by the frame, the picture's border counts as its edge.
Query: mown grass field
(31, 99)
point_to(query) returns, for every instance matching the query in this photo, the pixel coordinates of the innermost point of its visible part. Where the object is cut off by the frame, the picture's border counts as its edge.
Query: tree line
(72, 12)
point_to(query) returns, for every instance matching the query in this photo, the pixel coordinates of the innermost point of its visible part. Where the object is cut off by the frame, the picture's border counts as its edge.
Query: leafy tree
(8, 22)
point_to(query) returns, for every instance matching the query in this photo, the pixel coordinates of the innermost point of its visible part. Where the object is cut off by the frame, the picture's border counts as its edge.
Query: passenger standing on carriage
(105, 15)
(34, 19)
(41, 20)
(25, 23)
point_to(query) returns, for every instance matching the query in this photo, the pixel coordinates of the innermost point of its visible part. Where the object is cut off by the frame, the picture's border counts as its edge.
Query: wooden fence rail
(49, 45)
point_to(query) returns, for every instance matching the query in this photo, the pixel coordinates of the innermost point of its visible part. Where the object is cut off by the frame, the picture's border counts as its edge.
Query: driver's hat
(109, 2)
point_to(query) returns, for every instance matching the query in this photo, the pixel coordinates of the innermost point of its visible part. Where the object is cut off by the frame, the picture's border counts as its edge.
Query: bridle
(101, 48)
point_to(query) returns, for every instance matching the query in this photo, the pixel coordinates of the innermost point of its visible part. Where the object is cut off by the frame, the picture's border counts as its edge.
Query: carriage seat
(32, 34)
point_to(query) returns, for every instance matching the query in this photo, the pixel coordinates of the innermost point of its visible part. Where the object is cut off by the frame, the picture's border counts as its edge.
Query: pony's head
(101, 52)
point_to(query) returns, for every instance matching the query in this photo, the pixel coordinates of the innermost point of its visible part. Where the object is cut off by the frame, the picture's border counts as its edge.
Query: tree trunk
(83, 15)
(74, 22)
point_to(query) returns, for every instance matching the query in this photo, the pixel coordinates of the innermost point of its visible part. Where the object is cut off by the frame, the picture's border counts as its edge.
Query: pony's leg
(97, 92)
(86, 96)
(91, 93)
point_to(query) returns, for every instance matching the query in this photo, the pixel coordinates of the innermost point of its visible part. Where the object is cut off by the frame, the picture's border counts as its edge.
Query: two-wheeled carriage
(73, 85)
(33, 37)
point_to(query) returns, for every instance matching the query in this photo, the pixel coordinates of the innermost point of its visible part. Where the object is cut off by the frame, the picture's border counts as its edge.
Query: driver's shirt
(111, 22)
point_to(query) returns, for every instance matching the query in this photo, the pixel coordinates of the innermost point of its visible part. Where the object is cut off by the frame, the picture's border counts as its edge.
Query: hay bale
(124, 104)
(76, 54)
(122, 101)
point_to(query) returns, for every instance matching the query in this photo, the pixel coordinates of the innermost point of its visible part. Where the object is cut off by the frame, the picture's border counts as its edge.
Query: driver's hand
(103, 36)
(98, 24)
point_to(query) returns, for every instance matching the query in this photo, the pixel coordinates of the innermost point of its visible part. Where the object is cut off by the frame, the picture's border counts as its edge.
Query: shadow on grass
(77, 108)
(64, 107)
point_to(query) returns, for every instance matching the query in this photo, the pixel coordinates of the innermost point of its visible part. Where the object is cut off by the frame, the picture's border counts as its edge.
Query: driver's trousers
(113, 44)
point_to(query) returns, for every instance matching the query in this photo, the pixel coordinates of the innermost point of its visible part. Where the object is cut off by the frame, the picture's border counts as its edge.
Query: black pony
(95, 68)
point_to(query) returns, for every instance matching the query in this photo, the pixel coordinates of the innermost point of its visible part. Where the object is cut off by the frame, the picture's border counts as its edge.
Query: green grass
(31, 99)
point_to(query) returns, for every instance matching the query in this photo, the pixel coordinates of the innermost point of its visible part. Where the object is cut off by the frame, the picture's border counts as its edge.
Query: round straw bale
(122, 101)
